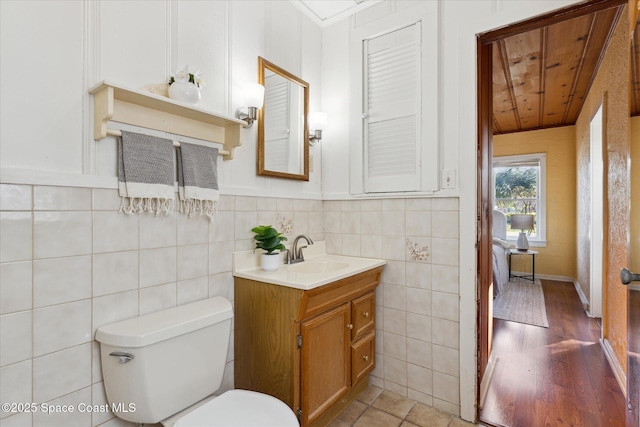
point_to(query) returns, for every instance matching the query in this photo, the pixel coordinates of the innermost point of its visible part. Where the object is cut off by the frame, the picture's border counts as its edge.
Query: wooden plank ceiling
(541, 77)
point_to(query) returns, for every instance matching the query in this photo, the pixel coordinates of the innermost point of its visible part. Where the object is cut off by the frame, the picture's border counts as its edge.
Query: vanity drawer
(363, 357)
(363, 314)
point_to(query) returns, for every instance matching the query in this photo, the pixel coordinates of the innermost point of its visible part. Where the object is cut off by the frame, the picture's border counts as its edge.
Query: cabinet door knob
(350, 326)
(365, 357)
(365, 313)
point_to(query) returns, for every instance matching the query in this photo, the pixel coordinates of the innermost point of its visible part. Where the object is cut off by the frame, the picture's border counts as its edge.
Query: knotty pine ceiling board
(566, 48)
(541, 77)
(524, 58)
(504, 107)
(599, 33)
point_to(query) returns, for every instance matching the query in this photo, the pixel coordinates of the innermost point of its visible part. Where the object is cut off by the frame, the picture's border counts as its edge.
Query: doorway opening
(488, 46)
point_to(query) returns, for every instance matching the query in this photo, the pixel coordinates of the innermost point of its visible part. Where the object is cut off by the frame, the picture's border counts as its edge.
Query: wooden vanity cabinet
(311, 349)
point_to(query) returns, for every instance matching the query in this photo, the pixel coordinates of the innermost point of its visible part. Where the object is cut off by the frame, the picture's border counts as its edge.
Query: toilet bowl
(169, 364)
(237, 408)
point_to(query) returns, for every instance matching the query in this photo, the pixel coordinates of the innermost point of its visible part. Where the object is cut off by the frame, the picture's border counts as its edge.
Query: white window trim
(541, 217)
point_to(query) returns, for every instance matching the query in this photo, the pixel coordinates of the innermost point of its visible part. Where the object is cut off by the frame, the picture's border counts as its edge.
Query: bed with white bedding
(500, 252)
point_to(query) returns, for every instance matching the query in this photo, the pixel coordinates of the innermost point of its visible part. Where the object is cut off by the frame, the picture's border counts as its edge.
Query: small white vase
(184, 92)
(270, 262)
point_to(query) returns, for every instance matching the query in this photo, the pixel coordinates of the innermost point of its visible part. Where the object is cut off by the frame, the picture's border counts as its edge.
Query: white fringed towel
(198, 179)
(146, 174)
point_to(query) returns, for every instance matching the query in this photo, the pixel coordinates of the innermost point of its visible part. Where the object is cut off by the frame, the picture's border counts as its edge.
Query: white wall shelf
(138, 108)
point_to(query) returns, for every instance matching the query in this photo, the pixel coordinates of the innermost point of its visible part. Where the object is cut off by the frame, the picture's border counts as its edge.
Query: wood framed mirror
(283, 134)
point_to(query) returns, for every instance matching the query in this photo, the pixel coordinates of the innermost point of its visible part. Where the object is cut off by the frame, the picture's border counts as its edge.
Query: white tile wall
(16, 229)
(69, 263)
(15, 338)
(55, 418)
(157, 266)
(15, 197)
(158, 298)
(52, 283)
(61, 233)
(60, 326)
(15, 286)
(417, 307)
(62, 372)
(16, 384)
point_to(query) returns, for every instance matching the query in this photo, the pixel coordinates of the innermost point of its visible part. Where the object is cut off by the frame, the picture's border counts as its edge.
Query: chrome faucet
(296, 255)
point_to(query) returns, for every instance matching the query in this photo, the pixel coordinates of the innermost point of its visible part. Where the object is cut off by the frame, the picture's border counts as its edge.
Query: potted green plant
(270, 240)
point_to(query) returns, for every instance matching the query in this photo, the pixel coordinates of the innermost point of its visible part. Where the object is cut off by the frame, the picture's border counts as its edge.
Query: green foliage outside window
(516, 191)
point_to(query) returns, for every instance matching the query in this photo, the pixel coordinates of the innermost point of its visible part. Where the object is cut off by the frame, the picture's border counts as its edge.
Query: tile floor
(376, 407)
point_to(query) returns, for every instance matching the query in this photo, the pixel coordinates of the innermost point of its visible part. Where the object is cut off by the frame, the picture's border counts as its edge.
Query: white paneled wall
(52, 53)
(41, 75)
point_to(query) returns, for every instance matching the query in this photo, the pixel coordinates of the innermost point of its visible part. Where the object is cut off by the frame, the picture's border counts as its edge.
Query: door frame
(597, 207)
(484, 89)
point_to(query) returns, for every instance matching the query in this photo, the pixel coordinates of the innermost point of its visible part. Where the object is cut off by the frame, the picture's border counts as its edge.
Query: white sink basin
(315, 267)
(318, 268)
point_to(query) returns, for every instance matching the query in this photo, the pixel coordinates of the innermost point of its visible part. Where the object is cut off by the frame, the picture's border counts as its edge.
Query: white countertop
(246, 264)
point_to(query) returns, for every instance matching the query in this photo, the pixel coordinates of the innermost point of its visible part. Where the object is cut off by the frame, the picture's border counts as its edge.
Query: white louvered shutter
(276, 131)
(392, 111)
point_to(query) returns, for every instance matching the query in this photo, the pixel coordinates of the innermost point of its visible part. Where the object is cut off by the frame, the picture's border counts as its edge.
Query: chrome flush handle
(124, 357)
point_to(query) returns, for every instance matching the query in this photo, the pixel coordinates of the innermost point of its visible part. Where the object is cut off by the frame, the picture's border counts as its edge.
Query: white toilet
(165, 366)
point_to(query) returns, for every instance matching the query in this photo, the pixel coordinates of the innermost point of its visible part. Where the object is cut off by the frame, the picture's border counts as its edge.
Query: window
(519, 188)
(392, 111)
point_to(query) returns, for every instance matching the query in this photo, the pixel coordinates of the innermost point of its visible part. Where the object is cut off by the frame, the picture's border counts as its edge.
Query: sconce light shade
(254, 99)
(254, 95)
(317, 121)
(522, 222)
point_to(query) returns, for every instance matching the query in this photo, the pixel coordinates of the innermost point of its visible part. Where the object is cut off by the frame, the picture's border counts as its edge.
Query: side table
(532, 276)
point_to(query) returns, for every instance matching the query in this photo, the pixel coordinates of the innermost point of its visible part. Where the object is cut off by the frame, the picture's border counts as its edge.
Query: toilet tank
(177, 355)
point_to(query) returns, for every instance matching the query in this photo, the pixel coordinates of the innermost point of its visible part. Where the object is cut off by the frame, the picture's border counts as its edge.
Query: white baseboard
(618, 371)
(486, 379)
(583, 298)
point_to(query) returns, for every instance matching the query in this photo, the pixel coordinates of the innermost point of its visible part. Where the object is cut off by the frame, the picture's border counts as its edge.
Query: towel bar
(115, 132)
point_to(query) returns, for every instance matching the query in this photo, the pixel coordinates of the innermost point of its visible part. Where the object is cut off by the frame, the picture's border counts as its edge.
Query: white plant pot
(270, 262)
(184, 92)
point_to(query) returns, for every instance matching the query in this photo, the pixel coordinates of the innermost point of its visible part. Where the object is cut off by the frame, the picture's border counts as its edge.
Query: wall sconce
(254, 98)
(317, 121)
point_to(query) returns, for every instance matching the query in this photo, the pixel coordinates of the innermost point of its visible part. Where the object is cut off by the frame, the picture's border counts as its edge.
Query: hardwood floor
(556, 376)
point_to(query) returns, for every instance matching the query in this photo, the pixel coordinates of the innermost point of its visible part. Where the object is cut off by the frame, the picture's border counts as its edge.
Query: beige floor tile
(426, 416)
(457, 422)
(393, 403)
(352, 412)
(376, 407)
(337, 422)
(373, 417)
(369, 395)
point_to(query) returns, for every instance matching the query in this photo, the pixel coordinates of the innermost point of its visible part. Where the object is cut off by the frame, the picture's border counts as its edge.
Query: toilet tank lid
(162, 325)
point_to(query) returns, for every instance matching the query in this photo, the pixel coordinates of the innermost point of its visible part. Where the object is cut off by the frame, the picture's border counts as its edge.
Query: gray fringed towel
(146, 174)
(198, 179)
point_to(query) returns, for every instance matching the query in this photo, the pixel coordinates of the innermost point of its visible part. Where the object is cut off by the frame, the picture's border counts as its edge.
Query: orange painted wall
(558, 258)
(612, 85)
